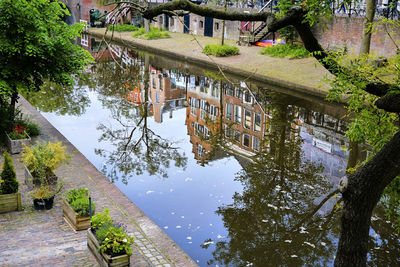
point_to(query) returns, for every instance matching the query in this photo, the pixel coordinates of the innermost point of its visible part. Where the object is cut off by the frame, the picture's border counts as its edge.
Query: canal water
(236, 172)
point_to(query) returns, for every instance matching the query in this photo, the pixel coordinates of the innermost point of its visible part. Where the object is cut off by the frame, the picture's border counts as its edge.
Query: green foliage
(391, 202)
(9, 183)
(154, 34)
(100, 219)
(122, 28)
(219, 50)
(79, 201)
(43, 158)
(35, 45)
(289, 33)
(286, 50)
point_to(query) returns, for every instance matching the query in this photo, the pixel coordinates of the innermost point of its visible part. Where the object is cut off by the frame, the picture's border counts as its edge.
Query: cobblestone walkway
(43, 238)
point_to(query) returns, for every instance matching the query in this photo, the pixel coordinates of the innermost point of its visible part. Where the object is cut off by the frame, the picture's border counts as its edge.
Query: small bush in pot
(42, 160)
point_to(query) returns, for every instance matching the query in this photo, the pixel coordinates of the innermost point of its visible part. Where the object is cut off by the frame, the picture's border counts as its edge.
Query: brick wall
(345, 31)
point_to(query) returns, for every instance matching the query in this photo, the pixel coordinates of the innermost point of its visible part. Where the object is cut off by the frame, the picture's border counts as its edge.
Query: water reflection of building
(167, 92)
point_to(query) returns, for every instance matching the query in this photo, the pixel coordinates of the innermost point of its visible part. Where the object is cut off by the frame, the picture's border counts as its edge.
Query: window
(217, 25)
(257, 122)
(246, 140)
(172, 20)
(248, 98)
(228, 90)
(238, 93)
(160, 20)
(193, 106)
(229, 111)
(201, 24)
(238, 114)
(256, 143)
(247, 119)
(236, 136)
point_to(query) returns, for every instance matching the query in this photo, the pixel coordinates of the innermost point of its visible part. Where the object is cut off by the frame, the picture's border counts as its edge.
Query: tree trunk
(363, 192)
(223, 26)
(14, 100)
(367, 27)
(146, 25)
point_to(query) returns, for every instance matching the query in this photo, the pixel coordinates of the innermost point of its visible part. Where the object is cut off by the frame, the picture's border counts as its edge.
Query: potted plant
(77, 209)
(10, 199)
(16, 137)
(41, 160)
(109, 241)
(43, 195)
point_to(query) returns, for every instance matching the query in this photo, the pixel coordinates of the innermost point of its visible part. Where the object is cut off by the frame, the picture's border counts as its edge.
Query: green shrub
(286, 50)
(9, 183)
(122, 28)
(79, 201)
(101, 219)
(218, 50)
(154, 34)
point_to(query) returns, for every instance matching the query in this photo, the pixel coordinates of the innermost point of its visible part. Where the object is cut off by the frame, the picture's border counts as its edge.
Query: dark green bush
(78, 199)
(122, 28)
(218, 50)
(9, 184)
(286, 50)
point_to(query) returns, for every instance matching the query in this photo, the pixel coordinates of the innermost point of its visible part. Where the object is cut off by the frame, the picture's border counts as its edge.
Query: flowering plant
(18, 132)
(112, 236)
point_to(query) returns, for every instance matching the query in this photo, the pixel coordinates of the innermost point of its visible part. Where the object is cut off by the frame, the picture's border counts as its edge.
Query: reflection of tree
(274, 221)
(71, 100)
(137, 148)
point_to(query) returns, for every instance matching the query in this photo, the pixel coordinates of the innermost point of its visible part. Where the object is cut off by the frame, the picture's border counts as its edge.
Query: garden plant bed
(15, 146)
(74, 219)
(103, 259)
(10, 202)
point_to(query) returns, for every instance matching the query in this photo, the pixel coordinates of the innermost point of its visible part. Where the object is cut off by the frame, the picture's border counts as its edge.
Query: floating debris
(323, 244)
(308, 186)
(272, 206)
(308, 243)
(293, 256)
(219, 236)
(201, 213)
(303, 230)
(165, 227)
(288, 241)
(189, 238)
(178, 226)
(264, 221)
(187, 179)
(149, 192)
(183, 217)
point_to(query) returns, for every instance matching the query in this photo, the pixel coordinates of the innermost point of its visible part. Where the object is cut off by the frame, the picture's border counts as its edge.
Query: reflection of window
(247, 119)
(203, 114)
(204, 89)
(193, 106)
(200, 150)
(238, 114)
(246, 140)
(161, 20)
(236, 136)
(153, 81)
(229, 111)
(213, 112)
(160, 82)
(229, 91)
(228, 132)
(136, 97)
(201, 130)
(238, 93)
(256, 143)
(157, 97)
(247, 98)
(215, 91)
(257, 122)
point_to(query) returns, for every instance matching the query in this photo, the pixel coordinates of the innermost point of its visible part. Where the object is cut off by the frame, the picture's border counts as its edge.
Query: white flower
(124, 240)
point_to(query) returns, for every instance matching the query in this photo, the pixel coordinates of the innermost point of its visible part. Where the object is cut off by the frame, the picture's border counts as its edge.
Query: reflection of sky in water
(183, 204)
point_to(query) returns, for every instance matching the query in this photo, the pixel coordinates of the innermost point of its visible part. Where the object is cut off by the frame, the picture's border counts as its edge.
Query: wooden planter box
(76, 221)
(10, 202)
(15, 146)
(105, 260)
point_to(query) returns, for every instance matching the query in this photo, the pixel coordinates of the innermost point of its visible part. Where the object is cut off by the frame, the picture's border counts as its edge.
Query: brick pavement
(42, 238)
